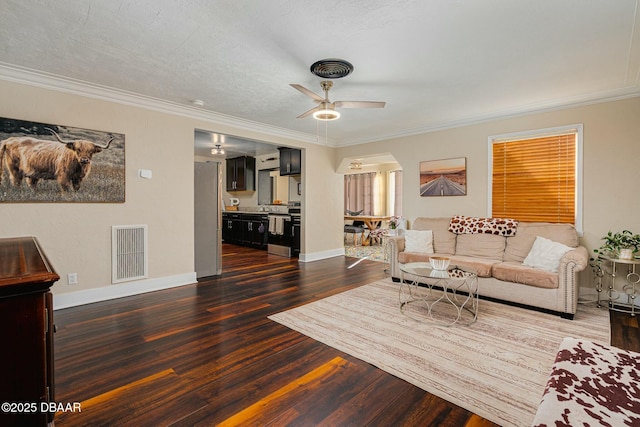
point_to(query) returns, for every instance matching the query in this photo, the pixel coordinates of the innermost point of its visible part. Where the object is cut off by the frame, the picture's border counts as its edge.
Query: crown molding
(561, 104)
(43, 80)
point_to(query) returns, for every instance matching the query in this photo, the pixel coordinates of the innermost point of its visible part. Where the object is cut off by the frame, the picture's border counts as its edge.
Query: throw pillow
(420, 241)
(545, 254)
(461, 224)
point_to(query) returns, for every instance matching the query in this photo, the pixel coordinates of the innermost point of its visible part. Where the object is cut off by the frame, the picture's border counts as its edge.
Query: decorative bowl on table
(439, 274)
(439, 262)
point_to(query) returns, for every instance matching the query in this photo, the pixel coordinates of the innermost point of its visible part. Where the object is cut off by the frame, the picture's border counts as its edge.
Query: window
(374, 193)
(359, 193)
(537, 176)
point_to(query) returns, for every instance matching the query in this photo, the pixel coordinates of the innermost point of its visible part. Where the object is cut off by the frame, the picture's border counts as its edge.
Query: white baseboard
(316, 256)
(125, 289)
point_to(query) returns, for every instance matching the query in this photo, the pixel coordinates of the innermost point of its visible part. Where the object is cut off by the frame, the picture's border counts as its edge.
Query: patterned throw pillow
(474, 225)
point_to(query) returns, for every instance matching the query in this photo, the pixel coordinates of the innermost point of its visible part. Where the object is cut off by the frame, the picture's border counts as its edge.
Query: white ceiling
(436, 63)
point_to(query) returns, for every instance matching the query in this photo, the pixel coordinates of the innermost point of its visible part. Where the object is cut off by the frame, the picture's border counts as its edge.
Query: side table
(606, 283)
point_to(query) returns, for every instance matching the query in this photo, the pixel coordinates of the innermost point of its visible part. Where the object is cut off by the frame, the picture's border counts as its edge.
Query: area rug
(496, 367)
(373, 253)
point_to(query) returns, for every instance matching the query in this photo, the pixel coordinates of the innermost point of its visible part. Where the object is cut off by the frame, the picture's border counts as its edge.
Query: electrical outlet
(72, 278)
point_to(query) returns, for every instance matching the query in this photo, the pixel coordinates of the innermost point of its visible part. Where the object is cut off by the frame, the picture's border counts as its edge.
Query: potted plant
(623, 244)
(393, 222)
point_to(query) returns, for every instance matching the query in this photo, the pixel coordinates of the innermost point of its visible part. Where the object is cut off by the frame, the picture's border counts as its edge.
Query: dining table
(370, 221)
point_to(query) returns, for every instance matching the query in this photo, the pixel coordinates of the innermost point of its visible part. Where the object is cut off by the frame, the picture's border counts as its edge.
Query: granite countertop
(262, 209)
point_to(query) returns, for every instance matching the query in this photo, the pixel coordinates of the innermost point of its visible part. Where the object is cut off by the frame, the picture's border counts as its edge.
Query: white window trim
(578, 128)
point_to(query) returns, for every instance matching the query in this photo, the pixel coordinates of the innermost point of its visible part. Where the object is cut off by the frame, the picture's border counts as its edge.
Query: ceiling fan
(326, 110)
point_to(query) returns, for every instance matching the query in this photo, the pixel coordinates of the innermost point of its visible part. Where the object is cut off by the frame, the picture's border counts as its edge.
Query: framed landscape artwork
(446, 177)
(41, 162)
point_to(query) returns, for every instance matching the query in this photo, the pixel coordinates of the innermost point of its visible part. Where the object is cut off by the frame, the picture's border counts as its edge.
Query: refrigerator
(208, 218)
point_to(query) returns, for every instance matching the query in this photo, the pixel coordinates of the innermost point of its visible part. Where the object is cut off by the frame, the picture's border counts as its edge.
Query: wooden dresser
(26, 334)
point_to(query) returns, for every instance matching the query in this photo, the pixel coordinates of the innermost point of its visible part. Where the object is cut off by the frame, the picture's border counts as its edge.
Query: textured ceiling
(437, 64)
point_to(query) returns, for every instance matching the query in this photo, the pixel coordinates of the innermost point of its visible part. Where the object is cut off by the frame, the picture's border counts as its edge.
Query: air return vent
(331, 68)
(128, 252)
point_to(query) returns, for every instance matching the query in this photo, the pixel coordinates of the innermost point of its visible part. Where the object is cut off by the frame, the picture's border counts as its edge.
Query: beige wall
(611, 164)
(77, 237)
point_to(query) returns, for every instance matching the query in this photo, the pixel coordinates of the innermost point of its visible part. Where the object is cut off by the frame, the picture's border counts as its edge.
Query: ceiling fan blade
(307, 92)
(359, 104)
(308, 113)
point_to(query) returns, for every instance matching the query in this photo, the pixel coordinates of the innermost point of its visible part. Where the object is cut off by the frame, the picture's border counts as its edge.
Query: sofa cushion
(418, 241)
(483, 267)
(518, 246)
(480, 245)
(444, 241)
(546, 254)
(519, 273)
(407, 257)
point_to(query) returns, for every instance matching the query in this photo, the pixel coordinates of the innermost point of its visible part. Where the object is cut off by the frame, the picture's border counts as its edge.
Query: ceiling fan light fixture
(326, 115)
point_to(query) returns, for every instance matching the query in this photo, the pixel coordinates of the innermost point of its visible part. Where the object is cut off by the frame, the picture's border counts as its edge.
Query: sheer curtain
(360, 193)
(395, 193)
(374, 193)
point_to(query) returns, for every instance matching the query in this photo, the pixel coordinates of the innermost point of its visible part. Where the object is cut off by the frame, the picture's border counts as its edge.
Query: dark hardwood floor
(206, 354)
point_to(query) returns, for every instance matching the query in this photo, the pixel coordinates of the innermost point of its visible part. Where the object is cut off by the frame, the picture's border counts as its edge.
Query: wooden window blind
(535, 179)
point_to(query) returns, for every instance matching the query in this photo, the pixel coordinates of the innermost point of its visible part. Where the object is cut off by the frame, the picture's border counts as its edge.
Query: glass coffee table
(446, 297)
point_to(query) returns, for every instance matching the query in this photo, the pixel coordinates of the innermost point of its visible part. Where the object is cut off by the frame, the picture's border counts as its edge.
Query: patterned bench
(591, 384)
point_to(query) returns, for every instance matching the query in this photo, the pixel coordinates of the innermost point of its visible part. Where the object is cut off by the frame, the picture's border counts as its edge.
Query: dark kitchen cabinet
(245, 229)
(241, 174)
(26, 313)
(290, 161)
(232, 228)
(254, 230)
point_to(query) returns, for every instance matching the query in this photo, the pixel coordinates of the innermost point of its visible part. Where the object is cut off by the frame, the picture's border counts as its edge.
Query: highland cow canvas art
(42, 162)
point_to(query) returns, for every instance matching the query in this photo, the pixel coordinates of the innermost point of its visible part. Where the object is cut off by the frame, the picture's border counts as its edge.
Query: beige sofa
(498, 261)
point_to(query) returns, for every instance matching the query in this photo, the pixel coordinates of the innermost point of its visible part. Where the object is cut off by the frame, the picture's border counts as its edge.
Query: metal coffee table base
(444, 301)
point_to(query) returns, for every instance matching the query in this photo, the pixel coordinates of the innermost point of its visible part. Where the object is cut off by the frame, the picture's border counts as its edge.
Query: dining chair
(355, 228)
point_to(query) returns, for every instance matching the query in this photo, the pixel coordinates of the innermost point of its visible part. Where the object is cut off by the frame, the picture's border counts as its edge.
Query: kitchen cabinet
(241, 174)
(245, 229)
(232, 228)
(254, 230)
(290, 161)
(26, 313)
